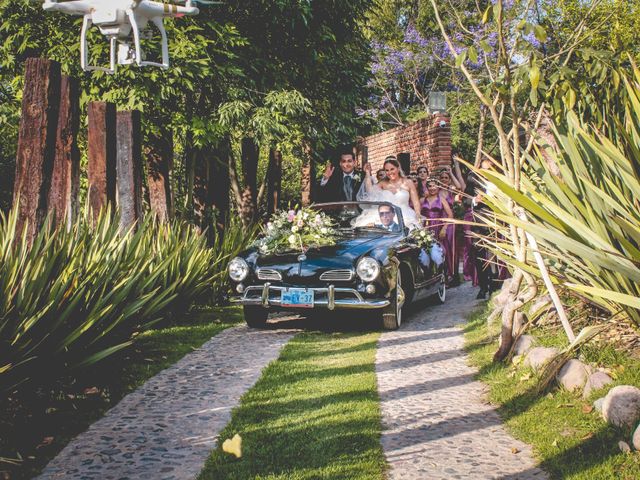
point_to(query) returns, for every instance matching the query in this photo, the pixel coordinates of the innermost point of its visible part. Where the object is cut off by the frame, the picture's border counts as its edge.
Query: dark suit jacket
(333, 191)
(395, 228)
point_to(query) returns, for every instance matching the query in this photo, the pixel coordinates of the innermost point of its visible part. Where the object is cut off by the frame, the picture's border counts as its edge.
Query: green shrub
(75, 297)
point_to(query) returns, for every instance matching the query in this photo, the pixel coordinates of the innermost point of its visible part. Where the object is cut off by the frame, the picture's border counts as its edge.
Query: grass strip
(314, 413)
(570, 439)
(34, 428)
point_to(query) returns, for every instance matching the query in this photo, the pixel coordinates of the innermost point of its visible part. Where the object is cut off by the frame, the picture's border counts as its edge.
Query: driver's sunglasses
(386, 213)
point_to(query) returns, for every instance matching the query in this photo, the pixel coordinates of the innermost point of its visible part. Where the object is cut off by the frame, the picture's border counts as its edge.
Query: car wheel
(256, 317)
(441, 294)
(392, 315)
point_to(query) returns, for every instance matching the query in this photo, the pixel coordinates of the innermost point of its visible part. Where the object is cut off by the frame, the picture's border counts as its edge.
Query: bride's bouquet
(294, 230)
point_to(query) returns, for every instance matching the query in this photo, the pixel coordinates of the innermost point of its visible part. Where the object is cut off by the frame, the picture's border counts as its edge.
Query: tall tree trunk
(249, 157)
(481, 128)
(159, 153)
(201, 188)
(274, 180)
(219, 184)
(190, 157)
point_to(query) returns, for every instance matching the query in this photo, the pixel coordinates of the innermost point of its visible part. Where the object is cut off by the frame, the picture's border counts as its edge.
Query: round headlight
(368, 269)
(238, 269)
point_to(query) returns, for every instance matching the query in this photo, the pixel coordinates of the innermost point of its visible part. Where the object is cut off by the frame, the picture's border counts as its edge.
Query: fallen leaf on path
(233, 446)
(624, 447)
(586, 408)
(91, 391)
(515, 450)
(46, 441)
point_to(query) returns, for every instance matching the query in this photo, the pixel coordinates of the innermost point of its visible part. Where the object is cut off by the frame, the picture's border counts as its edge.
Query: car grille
(268, 274)
(337, 276)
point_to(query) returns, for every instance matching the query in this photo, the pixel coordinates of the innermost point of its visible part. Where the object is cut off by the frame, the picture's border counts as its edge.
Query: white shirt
(324, 181)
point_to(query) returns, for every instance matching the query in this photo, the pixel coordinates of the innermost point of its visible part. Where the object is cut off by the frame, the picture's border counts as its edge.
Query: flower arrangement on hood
(293, 230)
(423, 237)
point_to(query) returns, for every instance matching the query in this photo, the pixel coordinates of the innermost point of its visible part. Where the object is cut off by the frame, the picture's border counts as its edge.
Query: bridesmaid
(452, 187)
(436, 209)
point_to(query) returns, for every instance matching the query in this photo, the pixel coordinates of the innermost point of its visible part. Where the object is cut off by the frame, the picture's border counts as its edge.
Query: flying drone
(124, 23)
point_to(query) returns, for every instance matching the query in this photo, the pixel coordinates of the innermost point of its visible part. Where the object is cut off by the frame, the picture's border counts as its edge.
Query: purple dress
(433, 211)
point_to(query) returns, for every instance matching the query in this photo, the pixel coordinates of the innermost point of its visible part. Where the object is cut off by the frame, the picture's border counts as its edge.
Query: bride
(395, 189)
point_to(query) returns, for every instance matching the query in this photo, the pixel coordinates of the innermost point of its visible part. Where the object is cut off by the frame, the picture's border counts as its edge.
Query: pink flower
(291, 215)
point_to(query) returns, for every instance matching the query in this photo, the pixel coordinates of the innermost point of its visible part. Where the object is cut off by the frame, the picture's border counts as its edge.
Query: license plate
(297, 297)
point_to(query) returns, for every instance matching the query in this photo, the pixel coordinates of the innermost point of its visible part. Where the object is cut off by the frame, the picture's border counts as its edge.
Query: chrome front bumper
(329, 297)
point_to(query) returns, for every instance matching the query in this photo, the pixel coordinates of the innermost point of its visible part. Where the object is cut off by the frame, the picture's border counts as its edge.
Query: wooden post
(307, 177)
(159, 155)
(274, 180)
(65, 180)
(102, 155)
(36, 143)
(129, 168)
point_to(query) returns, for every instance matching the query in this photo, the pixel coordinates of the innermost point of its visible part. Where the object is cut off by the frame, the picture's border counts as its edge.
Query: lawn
(313, 414)
(34, 431)
(570, 438)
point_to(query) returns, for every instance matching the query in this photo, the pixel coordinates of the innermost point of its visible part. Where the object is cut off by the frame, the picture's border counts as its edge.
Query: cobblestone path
(167, 428)
(436, 423)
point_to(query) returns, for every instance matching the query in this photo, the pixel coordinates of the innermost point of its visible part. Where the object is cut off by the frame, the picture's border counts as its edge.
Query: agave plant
(586, 219)
(74, 297)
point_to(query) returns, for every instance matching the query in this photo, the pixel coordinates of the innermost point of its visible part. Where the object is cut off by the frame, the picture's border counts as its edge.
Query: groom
(340, 185)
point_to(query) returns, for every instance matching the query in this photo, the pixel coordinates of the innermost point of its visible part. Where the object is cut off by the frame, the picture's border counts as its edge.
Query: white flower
(305, 215)
(270, 226)
(279, 224)
(294, 229)
(423, 233)
(264, 248)
(292, 239)
(324, 230)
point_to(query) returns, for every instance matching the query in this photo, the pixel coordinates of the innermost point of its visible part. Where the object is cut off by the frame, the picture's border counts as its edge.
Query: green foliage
(581, 205)
(273, 121)
(75, 297)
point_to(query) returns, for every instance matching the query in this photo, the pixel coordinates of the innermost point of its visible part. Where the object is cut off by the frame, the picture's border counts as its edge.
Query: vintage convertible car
(370, 267)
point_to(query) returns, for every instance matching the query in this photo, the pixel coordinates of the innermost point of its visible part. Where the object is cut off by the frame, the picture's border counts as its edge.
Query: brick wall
(426, 141)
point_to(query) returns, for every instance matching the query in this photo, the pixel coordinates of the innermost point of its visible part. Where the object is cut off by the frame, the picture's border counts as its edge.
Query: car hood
(343, 255)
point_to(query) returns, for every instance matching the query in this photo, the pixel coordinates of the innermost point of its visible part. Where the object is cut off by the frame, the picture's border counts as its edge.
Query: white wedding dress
(399, 198)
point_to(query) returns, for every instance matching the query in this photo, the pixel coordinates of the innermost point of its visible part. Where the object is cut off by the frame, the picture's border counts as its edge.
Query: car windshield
(379, 216)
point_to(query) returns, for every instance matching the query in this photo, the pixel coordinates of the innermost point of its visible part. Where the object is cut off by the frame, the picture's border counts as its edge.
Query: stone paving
(436, 423)
(167, 428)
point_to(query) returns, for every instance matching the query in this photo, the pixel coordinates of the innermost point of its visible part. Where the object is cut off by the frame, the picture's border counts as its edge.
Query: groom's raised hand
(328, 170)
